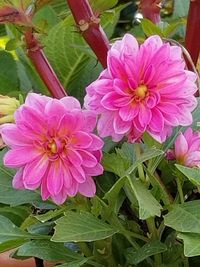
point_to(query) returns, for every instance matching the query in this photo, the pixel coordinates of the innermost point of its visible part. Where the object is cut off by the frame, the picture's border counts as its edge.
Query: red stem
(91, 30)
(150, 9)
(44, 69)
(192, 41)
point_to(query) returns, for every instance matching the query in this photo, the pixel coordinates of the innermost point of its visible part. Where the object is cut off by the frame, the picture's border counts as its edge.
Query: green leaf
(172, 27)
(148, 205)
(50, 215)
(184, 217)
(111, 195)
(81, 227)
(191, 244)
(68, 62)
(45, 18)
(150, 28)
(161, 192)
(181, 8)
(101, 5)
(16, 214)
(49, 251)
(8, 69)
(148, 250)
(8, 245)
(11, 196)
(115, 163)
(9, 232)
(193, 174)
(146, 155)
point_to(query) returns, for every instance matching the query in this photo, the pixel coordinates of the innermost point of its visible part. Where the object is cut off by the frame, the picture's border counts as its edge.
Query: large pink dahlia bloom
(144, 88)
(187, 149)
(53, 146)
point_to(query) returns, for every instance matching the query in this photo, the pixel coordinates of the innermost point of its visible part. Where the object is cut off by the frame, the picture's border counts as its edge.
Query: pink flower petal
(37, 101)
(55, 178)
(10, 130)
(129, 112)
(70, 103)
(181, 146)
(72, 191)
(60, 198)
(81, 140)
(88, 188)
(17, 181)
(74, 157)
(78, 174)
(95, 171)
(20, 156)
(88, 159)
(96, 144)
(34, 172)
(120, 126)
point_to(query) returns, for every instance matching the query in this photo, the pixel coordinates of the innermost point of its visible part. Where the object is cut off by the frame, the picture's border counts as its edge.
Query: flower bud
(8, 106)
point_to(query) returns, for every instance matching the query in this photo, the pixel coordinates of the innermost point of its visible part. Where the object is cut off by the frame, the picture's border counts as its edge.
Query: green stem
(180, 190)
(154, 236)
(95, 264)
(140, 167)
(137, 236)
(85, 249)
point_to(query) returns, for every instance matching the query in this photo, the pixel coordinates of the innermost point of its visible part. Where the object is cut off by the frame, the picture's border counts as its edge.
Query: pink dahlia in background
(53, 146)
(187, 149)
(144, 88)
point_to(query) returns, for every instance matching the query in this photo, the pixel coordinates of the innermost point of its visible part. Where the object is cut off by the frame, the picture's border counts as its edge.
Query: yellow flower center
(53, 147)
(141, 91)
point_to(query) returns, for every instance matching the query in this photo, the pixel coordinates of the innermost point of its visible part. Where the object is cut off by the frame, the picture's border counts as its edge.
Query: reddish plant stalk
(90, 27)
(192, 40)
(41, 64)
(150, 9)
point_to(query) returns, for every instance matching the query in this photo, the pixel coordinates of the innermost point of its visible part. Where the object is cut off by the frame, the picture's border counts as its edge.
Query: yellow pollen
(53, 147)
(141, 91)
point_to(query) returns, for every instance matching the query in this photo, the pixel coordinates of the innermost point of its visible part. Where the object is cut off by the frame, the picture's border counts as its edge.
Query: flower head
(8, 106)
(187, 149)
(53, 146)
(144, 88)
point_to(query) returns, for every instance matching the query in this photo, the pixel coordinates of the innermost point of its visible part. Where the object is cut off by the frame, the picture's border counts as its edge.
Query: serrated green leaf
(184, 217)
(148, 205)
(191, 244)
(81, 227)
(115, 163)
(146, 155)
(148, 250)
(193, 174)
(49, 251)
(50, 215)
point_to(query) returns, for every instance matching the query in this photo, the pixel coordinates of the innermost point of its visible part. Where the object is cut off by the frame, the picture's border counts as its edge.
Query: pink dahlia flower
(53, 146)
(144, 88)
(187, 149)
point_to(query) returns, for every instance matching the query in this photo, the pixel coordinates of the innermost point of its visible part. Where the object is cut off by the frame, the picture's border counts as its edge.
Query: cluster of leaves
(129, 222)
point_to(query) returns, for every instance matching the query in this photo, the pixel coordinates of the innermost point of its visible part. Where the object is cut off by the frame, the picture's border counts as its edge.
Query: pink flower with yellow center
(187, 149)
(144, 88)
(54, 148)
